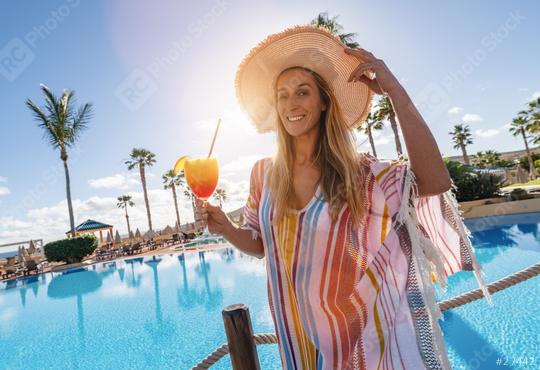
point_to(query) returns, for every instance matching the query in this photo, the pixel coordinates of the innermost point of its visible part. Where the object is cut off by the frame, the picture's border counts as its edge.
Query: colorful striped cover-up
(360, 298)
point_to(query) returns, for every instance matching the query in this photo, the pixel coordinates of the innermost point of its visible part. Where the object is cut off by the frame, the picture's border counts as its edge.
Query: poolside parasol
(117, 238)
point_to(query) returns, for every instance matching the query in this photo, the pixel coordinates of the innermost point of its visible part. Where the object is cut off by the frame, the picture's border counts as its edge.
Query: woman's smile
(295, 118)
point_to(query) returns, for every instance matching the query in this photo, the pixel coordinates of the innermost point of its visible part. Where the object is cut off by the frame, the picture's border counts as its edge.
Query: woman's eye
(302, 93)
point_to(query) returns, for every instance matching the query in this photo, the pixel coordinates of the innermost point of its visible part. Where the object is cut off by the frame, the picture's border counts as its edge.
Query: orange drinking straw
(214, 139)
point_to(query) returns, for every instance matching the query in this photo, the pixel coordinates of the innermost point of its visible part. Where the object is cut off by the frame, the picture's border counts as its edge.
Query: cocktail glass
(202, 176)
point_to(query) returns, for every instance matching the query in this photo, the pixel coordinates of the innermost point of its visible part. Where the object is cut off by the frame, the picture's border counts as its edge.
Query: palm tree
(385, 111)
(371, 123)
(142, 158)
(221, 196)
(487, 159)
(172, 181)
(521, 126)
(124, 201)
(461, 136)
(332, 25)
(62, 125)
(532, 116)
(189, 194)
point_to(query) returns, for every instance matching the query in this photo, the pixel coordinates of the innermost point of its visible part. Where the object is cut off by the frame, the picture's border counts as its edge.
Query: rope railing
(494, 287)
(473, 295)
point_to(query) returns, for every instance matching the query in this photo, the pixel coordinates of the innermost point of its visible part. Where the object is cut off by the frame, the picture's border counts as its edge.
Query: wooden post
(242, 347)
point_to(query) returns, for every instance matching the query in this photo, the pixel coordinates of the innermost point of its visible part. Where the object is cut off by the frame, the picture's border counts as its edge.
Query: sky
(159, 74)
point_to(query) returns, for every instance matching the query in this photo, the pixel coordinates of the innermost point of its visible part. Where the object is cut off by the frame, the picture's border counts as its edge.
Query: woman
(348, 243)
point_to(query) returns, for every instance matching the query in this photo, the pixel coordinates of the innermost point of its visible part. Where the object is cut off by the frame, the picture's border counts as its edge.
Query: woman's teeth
(295, 118)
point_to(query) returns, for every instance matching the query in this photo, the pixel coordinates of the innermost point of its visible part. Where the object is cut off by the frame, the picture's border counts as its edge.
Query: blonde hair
(342, 174)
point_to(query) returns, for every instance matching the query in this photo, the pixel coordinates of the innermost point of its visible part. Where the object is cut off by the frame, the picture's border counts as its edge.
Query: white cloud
(117, 181)
(241, 164)
(3, 179)
(487, 133)
(455, 110)
(4, 190)
(472, 118)
(523, 89)
(383, 140)
(51, 223)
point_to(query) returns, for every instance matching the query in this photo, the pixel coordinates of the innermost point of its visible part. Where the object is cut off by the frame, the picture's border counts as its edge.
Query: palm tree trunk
(127, 220)
(64, 158)
(371, 142)
(176, 208)
(532, 170)
(143, 181)
(465, 156)
(393, 124)
(193, 207)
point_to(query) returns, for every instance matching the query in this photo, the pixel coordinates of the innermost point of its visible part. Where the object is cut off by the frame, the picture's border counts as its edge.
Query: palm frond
(79, 122)
(51, 102)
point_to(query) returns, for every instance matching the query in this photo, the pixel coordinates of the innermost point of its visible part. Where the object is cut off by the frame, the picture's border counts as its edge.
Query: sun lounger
(29, 266)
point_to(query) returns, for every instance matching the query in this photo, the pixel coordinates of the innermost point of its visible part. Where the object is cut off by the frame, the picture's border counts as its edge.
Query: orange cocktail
(202, 176)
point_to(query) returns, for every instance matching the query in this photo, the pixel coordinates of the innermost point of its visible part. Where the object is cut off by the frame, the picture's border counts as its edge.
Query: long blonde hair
(341, 173)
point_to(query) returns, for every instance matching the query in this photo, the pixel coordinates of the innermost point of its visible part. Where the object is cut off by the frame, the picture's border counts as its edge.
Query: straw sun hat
(306, 46)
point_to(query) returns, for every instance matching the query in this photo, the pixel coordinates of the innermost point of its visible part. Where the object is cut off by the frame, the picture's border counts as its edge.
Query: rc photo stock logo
(434, 99)
(139, 86)
(18, 53)
(15, 57)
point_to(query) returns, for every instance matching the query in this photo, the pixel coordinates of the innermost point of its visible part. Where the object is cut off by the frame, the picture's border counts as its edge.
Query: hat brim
(309, 47)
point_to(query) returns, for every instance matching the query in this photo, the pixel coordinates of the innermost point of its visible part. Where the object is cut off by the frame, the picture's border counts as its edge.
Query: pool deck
(470, 210)
(498, 207)
(57, 267)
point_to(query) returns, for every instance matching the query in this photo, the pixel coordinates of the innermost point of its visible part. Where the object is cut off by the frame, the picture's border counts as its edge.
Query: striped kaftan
(360, 298)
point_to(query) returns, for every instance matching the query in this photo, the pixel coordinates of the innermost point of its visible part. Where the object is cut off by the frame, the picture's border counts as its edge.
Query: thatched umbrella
(149, 235)
(32, 247)
(20, 254)
(167, 230)
(117, 238)
(137, 234)
(109, 239)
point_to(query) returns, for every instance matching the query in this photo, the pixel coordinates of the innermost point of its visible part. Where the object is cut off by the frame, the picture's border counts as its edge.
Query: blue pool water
(507, 335)
(165, 312)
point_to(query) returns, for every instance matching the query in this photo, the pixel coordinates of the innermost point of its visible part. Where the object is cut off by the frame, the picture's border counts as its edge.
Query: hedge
(71, 250)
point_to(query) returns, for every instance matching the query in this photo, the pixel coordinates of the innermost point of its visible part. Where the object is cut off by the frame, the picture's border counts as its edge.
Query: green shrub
(71, 250)
(524, 161)
(537, 165)
(471, 185)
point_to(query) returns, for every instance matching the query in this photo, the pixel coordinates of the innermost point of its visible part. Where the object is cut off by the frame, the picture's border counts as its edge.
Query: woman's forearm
(426, 161)
(243, 240)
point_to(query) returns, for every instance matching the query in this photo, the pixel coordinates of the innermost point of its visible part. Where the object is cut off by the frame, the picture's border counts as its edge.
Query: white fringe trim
(428, 260)
(465, 234)
(254, 233)
(407, 216)
(434, 312)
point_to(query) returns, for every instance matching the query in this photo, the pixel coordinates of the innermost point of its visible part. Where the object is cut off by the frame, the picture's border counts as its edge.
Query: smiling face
(299, 102)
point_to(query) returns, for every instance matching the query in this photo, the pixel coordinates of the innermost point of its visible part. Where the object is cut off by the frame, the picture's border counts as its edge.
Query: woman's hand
(214, 217)
(383, 81)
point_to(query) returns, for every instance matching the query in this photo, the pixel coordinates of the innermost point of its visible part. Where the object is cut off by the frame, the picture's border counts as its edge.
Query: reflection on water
(210, 297)
(162, 328)
(520, 230)
(63, 287)
(144, 312)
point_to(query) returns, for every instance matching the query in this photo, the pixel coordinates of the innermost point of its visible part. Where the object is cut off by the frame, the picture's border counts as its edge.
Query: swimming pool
(165, 312)
(507, 335)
